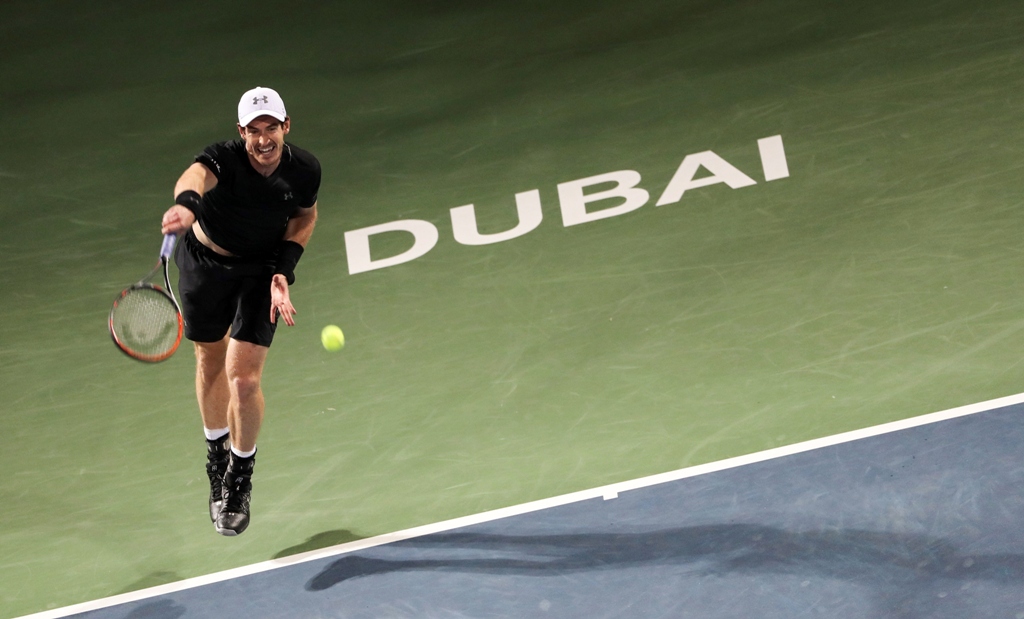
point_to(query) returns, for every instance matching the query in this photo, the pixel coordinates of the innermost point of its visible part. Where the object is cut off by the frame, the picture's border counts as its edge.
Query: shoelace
(238, 494)
(215, 468)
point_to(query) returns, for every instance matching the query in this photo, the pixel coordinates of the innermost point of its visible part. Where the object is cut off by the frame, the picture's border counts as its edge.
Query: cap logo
(256, 100)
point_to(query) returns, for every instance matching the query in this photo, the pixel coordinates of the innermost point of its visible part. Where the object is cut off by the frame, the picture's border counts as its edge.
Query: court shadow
(901, 569)
(320, 540)
(155, 609)
(159, 609)
(153, 579)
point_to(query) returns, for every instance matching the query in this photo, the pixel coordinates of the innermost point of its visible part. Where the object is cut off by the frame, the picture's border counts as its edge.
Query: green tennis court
(877, 280)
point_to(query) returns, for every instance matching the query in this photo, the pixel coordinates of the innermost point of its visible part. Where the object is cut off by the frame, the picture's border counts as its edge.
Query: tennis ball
(332, 338)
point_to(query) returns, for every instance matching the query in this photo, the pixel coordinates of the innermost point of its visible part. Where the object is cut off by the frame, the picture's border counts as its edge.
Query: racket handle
(168, 246)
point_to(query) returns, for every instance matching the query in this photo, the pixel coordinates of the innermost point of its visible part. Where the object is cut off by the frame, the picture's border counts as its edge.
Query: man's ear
(241, 130)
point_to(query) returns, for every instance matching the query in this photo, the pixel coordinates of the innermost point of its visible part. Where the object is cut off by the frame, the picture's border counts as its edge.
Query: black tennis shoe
(216, 464)
(234, 513)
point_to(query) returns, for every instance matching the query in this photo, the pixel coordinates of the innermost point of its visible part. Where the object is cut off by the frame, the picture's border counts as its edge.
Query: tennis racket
(145, 321)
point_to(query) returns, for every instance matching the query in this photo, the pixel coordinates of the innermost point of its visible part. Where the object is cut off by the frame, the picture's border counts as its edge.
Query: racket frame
(167, 291)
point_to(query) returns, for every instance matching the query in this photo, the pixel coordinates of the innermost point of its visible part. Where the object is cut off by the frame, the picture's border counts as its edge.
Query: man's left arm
(296, 236)
(300, 227)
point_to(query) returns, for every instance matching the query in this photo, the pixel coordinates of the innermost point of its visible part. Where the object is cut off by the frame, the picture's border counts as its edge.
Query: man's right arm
(197, 178)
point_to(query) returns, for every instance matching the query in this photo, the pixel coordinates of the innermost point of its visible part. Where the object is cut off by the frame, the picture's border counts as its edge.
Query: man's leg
(244, 370)
(213, 395)
(212, 383)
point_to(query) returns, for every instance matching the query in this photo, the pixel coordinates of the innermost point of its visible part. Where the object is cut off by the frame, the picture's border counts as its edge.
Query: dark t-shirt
(247, 213)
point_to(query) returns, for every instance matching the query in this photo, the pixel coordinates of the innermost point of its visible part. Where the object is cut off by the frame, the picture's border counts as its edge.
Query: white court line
(604, 492)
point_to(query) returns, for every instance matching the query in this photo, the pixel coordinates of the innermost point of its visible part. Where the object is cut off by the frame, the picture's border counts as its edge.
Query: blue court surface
(919, 518)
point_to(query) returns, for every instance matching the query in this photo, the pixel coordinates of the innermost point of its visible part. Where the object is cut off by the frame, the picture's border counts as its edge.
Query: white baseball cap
(258, 102)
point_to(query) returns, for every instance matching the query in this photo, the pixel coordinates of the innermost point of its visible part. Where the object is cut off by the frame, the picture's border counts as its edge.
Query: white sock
(243, 454)
(212, 435)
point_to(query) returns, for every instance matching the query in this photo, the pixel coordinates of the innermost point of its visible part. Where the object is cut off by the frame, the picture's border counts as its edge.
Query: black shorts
(218, 292)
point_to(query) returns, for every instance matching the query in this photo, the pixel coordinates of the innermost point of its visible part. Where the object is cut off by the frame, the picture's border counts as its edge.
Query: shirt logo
(289, 196)
(256, 100)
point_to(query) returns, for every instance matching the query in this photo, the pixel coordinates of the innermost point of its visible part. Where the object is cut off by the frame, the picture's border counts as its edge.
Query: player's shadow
(148, 609)
(320, 540)
(153, 579)
(900, 568)
(160, 609)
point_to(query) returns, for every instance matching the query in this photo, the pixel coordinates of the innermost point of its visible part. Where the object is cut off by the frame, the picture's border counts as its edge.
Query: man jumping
(247, 209)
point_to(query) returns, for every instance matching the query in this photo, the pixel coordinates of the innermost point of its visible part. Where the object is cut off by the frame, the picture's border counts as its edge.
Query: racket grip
(168, 246)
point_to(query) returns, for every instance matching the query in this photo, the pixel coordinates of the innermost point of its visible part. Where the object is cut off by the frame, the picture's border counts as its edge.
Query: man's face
(264, 140)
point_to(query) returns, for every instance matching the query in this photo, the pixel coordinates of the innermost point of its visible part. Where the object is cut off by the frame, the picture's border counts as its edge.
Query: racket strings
(146, 322)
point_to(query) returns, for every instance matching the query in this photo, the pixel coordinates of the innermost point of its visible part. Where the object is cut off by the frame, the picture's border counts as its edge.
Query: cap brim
(248, 118)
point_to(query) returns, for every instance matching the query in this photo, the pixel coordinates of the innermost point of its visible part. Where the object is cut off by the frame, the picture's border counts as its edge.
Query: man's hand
(176, 220)
(280, 302)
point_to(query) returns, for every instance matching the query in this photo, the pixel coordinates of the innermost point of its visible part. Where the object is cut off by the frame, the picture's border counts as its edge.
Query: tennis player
(247, 208)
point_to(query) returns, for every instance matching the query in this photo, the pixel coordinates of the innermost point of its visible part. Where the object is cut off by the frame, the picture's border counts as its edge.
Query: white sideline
(605, 492)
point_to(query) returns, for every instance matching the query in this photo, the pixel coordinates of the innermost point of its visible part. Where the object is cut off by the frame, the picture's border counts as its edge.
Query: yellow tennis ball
(332, 338)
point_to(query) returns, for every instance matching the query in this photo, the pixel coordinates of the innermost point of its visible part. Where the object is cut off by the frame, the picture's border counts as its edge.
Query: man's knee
(245, 368)
(245, 385)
